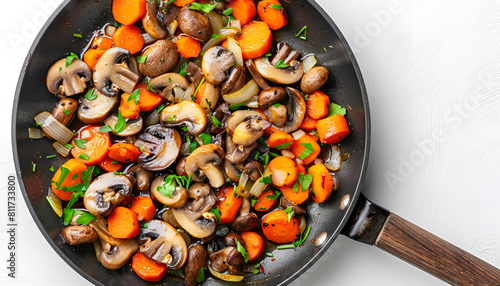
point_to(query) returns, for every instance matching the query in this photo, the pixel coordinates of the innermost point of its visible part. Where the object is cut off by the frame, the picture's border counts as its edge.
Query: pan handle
(374, 225)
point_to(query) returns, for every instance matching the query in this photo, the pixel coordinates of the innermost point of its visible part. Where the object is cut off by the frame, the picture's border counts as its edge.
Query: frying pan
(361, 219)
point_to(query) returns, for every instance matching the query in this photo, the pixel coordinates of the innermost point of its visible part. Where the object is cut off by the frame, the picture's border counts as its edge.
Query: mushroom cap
(185, 112)
(161, 242)
(215, 63)
(151, 23)
(236, 80)
(139, 177)
(227, 258)
(286, 76)
(105, 193)
(68, 80)
(179, 196)
(204, 162)
(194, 24)
(132, 126)
(161, 147)
(94, 111)
(252, 128)
(113, 71)
(161, 57)
(239, 116)
(166, 82)
(277, 115)
(237, 154)
(197, 258)
(270, 96)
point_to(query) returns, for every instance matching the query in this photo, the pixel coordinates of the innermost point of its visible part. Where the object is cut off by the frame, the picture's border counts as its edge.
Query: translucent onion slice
(110, 30)
(172, 27)
(225, 277)
(308, 62)
(130, 139)
(236, 24)
(258, 187)
(244, 94)
(55, 202)
(333, 158)
(35, 133)
(61, 149)
(229, 32)
(303, 224)
(253, 102)
(234, 47)
(54, 128)
(279, 177)
(298, 134)
(148, 39)
(215, 21)
(240, 189)
(152, 119)
(287, 153)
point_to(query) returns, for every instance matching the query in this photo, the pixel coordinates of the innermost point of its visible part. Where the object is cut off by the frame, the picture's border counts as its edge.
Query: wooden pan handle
(432, 254)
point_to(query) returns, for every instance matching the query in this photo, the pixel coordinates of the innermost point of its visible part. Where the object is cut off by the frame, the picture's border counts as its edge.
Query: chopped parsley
(79, 143)
(282, 146)
(303, 30)
(203, 7)
(205, 138)
(216, 122)
(336, 109)
(234, 107)
(70, 58)
(275, 196)
(77, 35)
(216, 213)
(51, 156)
(307, 151)
(141, 60)
(305, 181)
(228, 11)
(275, 6)
(183, 69)
(241, 250)
(266, 180)
(66, 111)
(105, 129)
(201, 275)
(121, 124)
(90, 95)
(83, 156)
(281, 65)
(160, 108)
(135, 96)
(289, 213)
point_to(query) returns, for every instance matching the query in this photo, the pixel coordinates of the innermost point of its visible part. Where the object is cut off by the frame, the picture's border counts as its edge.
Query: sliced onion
(253, 102)
(130, 139)
(54, 128)
(152, 119)
(298, 134)
(303, 224)
(98, 250)
(215, 21)
(212, 42)
(55, 202)
(236, 24)
(61, 149)
(244, 94)
(240, 189)
(172, 27)
(308, 62)
(279, 177)
(225, 277)
(234, 47)
(332, 157)
(110, 30)
(287, 153)
(229, 32)
(258, 187)
(35, 133)
(148, 39)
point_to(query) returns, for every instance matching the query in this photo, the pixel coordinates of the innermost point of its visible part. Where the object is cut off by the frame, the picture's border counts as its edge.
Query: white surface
(432, 71)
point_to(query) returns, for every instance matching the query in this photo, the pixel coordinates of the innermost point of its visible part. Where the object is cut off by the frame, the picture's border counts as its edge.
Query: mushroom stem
(214, 175)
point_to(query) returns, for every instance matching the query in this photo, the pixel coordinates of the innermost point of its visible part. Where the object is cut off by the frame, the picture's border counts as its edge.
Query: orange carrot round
(322, 183)
(255, 39)
(123, 223)
(243, 10)
(148, 100)
(127, 12)
(129, 37)
(277, 228)
(101, 43)
(75, 167)
(254, 245)
(128, 108)
(278, 138)
(188, 47)
(308, 123)
(266, 201)
(92, 56)
(332, 129)
(295, 197)
(229, 204)
(284, 171)
(317, 105)
(302, 147)
(273, 13)
(96, 145)
(144, 207)
(109, 166)
(180, 3)
(124, 152)
(148, 269)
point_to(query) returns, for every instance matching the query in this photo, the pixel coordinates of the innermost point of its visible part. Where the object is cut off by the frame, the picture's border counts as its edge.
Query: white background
(432, 71)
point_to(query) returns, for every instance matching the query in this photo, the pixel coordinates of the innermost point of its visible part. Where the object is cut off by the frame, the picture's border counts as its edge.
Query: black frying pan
(360, 220)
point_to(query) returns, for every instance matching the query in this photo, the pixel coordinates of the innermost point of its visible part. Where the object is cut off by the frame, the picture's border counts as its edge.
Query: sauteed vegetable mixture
(192, 139)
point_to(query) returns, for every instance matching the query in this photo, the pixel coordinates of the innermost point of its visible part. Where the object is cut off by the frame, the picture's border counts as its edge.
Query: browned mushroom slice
(296, 107)
(297, 210)
(78, 234)
(161, 57)
(271, 96)
(95, 110)
(236, 80)
(286, 76)
(215, 63)
(185, 112)
(204, 163)
(132, 127)
(64, 110)
(152, 25)
(176, 199)
(169, 13)
(194, 73)
(112, 72)
(261, 82)
(237, 154)
(68, 80)
(285, 54)
(194, 24)
(227, 258)
(277, 114)
(105, 193)
(139, 177)
(246, 126)
(162, 243)
(313, 79)
(160, 147)
(197, 259)
(167, 83)
(246, 220)
(231, 171)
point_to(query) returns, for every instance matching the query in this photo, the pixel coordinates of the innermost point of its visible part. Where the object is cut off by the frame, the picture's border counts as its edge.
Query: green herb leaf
(141, 60)
(105, 129)
(70, 58)
(85, 218)
(277, 105)
(72, 200)
(160, 108)
(183, 127)
(289, 212)
(274, 154)
(303, 30)
(51, 156)
(177, 272)
(214, 36)
(216, 122)
(228, 11)
(308, 151)
(241, 250)
(121, 124)
(79, 144)
(216, 213)
(336, 109)
(69, 146)
(52, 168)
(135, 96)
(150, 88)
(66, 111)
(253, 202)
(77, 35)
(266, 160)
(275, 6)
(267, 55)
(193, 97)
(173, 118)
(205, 138)
(64, 173)
(306, 96)
(234, 107)
(60, 70)
(281, 65)
(75, 175)
(167, 189)
(266, 180)
(183, 69)
(296, 187)
(269, 254)
(83, 156)
(282, 146)
(203, 7)
(302, 239)
(146, 225)
(275, 196)
(170, 2)
(201, 274)
(256, 271)
(68, 215)
(305, 181)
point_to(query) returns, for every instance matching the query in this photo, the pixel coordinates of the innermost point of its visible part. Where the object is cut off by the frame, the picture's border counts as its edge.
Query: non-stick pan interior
(56, 40)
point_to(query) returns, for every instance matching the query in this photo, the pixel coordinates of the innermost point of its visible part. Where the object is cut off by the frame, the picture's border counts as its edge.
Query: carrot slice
(317, 105)
(308, 123)
(148, 100)
(124, 152)
(254, 245)
(255, 39)
(127, 12)
(296, 197)
(75, 167)
(180, 3)
(332, 129)
(148, 269)
(96, 145)
(284, 171)
(322, 183)
(129, 37)
(273, 13)
(110, 165)
(306, 149)
(277, 228)
(188, 47)
(266, 201)
(280, 139)
(92, 56)
(243, 10)
(144, 207)
(101, 43)
(123, 223)
(128, 108)
(229, 204)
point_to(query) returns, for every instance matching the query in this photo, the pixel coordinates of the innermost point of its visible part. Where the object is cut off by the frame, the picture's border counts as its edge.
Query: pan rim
(291, 278)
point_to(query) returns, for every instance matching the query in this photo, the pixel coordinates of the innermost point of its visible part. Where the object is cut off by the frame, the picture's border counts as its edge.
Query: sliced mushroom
(178, 198)
(286, 76)
(64, 110)
(277, 115)
(113, 72)
(94, 111)
(78, 234)
(105, 193)
(222, 114)
(169, 13)
(254, 169)
(197, 259)
(194, 24)
(166, 84)
(180, 168)
(246, 220)
(194, 73)
(297, 210)
(160, 147)
(228, 258)
(68, 80)
(161, 57)
(115, 252)
(285, 54)
(272, 96)
(252, 128)
(139, 177)
(204, 163)
(313, 79)
(237, 154)
(161, 242)
(151, 22)
(231, 171)
(185, 112)
(169, 218)
(236, 80)
(262, 83)
(216, 63)
(296, 108)
(194, 217)
(132, 127)
(231, 237)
